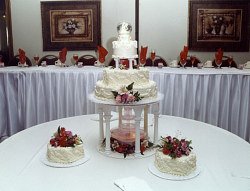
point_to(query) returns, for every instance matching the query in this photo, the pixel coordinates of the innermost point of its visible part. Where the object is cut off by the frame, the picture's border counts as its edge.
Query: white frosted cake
(124, 47)
(175, 157)
(118, 77)
(114, 79)
(64, 147)
(179, 166)
(65, 154)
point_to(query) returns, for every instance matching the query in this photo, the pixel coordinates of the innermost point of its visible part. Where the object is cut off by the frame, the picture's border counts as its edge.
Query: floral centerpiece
(63, 138)
(71, 26)
(175, 147)
(126, 95)
(126, 148)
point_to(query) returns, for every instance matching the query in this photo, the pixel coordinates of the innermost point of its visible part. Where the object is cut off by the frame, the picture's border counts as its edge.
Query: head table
(223, 158)
(33, 95)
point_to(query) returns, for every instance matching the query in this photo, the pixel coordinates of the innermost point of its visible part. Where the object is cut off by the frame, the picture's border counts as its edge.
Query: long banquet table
(222, 157)
(30, 96)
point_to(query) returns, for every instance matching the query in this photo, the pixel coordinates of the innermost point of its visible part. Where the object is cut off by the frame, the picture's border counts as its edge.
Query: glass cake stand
(132, 122)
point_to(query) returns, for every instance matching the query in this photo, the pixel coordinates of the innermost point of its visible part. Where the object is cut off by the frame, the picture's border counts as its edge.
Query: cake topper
(124, 28)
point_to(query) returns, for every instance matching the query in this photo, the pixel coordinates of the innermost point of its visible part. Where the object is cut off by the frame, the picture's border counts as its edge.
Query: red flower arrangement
(63, 138)
(125, 95)
(174, 147)
(126, 149)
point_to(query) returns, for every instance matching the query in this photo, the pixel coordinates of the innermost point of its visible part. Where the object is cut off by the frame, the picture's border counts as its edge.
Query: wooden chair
(158, 59)
(5, 57)
(14, 61)
(87, 60)
(189, 62)
(225, 62)
(112, 62)
(50, 59)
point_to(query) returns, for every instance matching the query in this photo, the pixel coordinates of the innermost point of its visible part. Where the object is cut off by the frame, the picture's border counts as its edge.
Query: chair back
(5, 57)
(87, 60)
(189, 62)
(50, 59)
(14, 61)
(225, 62)
(158, 59)
(112, 62)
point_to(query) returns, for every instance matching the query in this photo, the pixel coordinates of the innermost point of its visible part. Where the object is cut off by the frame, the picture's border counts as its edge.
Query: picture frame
(75, 25)
(218, 24)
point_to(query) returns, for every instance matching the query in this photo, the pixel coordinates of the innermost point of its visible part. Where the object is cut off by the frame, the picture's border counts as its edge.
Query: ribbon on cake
(22, 57)
(184, 54)
(219, 56)
(143, 54)
(102, 54)
(63, 54)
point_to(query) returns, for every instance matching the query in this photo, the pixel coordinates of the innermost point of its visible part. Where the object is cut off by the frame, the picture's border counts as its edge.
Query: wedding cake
(124, 47)
(115, 78)
(64, 147)
(125, 84)
(175, 157)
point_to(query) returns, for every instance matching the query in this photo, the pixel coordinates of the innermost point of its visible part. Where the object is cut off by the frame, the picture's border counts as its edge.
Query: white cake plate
(144, 101)
(156, 172)
(113, 118)
(45, 161)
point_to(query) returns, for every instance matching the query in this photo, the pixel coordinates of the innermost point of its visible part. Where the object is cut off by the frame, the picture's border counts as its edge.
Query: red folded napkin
(62, 55)
(22, 57)
(143, 54)
(219, 55)
(184, 54)
(102, 53)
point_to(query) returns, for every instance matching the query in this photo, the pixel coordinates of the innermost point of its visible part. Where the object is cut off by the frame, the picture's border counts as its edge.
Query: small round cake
(64, 147)
(175, 157)
(177, 166)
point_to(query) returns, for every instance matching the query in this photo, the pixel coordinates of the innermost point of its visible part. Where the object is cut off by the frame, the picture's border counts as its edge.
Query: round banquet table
(222, 156)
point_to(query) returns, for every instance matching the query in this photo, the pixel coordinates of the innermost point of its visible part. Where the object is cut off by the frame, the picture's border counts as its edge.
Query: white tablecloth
(29, 96)
(222, 156)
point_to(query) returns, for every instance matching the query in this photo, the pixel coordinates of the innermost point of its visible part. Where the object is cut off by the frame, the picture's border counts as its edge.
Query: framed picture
(218, 24)
(75, 25)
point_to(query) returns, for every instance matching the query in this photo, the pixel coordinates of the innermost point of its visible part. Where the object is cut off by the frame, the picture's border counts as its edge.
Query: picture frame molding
(52, 15)
(230, 46)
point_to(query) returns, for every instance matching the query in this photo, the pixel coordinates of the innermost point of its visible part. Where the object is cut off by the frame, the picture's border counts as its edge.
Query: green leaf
(59, 130)
(150, 144)
(115, 93)
(130, 86)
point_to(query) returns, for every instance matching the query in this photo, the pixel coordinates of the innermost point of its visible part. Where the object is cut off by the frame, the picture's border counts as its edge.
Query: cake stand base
(113, 154)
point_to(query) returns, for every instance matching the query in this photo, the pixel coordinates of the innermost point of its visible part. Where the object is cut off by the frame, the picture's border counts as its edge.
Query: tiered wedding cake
(125, 84)
(116, 78)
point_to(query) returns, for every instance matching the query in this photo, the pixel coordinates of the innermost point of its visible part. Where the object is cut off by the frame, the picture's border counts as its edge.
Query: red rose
(142, 149)
(165, 151)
